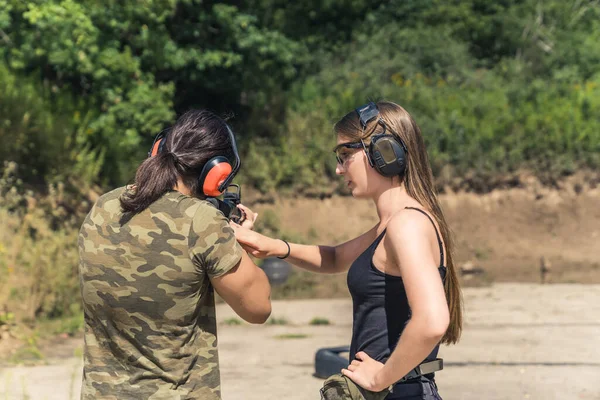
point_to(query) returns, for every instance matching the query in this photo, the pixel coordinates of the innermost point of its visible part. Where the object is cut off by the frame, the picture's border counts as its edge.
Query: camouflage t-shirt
(150, 327)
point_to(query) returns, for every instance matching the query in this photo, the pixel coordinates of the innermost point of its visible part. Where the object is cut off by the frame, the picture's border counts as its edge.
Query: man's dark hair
(196, 137)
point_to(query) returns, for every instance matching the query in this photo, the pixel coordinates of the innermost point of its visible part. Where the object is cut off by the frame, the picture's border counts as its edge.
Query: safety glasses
(342, 153)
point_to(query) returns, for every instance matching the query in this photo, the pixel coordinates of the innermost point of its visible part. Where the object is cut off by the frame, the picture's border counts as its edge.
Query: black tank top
(380, 305)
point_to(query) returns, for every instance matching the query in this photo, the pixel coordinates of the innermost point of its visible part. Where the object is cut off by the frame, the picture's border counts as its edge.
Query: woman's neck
(390, 201)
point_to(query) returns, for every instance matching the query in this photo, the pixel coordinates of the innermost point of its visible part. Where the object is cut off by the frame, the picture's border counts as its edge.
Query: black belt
(424, 369)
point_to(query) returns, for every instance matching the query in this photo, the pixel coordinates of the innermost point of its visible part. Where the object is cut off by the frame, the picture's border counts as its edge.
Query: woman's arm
(411, 245)
(314, 258)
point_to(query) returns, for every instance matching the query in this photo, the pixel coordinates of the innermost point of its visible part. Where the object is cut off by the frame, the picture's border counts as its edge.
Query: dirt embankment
(505, 233)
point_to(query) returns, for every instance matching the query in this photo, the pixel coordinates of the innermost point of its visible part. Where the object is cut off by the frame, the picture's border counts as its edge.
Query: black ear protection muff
(387, 152)
(217, 173)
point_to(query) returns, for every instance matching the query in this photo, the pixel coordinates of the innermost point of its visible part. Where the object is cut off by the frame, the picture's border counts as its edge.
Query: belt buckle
(412, 374)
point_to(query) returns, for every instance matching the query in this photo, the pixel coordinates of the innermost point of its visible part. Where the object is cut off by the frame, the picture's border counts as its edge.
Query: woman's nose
(339, 169)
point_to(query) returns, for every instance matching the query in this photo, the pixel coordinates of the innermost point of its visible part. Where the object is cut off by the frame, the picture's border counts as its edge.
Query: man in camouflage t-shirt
(150, 328)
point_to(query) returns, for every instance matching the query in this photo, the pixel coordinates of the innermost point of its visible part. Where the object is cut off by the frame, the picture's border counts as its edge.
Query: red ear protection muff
(217, 173)
(387, 153)
(213, 174)
(159, 143)
(154, 150)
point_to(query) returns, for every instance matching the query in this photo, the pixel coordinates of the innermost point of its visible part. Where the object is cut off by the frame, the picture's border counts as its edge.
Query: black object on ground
(328, 361)
(276, 270)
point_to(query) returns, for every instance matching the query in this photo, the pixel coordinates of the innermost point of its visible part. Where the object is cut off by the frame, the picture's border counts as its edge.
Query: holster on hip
(340, 387)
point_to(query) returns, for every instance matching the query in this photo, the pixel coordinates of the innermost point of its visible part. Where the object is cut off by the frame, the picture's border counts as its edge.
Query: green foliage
(285, 336)
(70, 323)
(44, 134)
(277, 321)
(524, 111)
(288, 71)
(29, 352)
(38, 252)
(134, 66)
(319, 321)
(232, 321)
(320, 25)
(6, 318)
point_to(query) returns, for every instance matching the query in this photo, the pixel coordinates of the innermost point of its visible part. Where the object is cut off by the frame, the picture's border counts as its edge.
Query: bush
(38, 252)
(43, 133)
(483, 122)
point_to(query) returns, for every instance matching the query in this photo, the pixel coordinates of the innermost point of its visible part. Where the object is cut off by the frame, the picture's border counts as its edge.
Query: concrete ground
(520, 341)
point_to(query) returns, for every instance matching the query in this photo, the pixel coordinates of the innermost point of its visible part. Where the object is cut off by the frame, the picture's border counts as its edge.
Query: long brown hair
(196, 137)
(418, 182)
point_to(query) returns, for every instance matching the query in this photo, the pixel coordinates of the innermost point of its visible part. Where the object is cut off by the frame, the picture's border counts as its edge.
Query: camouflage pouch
(340, 387)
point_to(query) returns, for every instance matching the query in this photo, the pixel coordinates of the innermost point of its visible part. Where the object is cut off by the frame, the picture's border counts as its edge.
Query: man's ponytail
(154, 177)
(196, 137)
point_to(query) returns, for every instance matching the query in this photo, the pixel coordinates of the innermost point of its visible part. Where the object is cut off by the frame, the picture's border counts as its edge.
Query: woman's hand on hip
(363, 372)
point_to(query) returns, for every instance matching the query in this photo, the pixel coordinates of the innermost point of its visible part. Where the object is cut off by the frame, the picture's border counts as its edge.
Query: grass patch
(232, 321)
(482, 253)
(319, 321)
(29, 353)
(6, 318)
(291, 336)
(70, 325)
(26, 354)
(78, 352)
(277, 321)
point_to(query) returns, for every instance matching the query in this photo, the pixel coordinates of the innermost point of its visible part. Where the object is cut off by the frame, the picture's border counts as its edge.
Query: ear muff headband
(387, 153)
(237, 165)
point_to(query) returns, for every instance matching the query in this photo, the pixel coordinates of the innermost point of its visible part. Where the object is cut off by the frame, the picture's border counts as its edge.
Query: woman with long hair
(151, 256)
(401, 275)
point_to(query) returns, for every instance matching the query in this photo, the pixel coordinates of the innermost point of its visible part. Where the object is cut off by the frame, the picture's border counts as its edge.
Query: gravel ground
(521, 341)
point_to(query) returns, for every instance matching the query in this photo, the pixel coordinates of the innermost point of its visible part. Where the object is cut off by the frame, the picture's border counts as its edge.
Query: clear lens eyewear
(341, 151)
